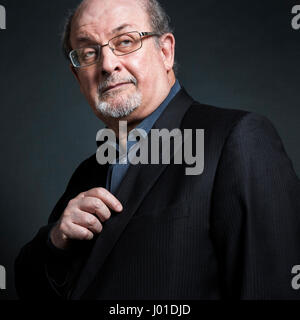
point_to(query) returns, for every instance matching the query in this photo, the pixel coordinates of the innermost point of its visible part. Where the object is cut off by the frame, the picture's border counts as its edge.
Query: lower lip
(116, 87)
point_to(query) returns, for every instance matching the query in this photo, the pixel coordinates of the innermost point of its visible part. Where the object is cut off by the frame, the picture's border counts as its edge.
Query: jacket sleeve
(39, 271)
(255, 220)
(43, 271)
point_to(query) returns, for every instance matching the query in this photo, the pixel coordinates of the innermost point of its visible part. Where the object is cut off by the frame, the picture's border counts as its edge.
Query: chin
(119, 107)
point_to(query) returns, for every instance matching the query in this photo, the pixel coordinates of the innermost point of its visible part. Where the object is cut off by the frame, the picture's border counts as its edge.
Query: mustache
(113, 80)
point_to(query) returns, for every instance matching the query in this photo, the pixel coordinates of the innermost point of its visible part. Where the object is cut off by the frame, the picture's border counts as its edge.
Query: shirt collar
(149, 121)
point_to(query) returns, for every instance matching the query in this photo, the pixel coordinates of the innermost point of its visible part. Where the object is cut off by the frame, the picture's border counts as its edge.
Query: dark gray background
(235, 53)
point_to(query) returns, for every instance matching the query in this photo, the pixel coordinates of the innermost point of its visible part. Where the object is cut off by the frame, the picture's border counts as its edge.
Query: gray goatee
(120, 105)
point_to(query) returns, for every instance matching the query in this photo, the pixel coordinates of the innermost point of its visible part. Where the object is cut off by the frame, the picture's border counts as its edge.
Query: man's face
(128, 86)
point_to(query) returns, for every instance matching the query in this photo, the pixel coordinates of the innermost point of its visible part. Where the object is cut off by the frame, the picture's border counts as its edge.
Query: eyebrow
(86, 38)
(120, 28)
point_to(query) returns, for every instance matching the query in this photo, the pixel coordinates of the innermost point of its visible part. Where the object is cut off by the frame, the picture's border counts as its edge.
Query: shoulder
(229, 122)
(235, 132)
(254, 131)
(208, 115)
(253, 147)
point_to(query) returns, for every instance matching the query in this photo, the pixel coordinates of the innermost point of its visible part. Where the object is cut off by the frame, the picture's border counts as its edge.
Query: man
(152, 231)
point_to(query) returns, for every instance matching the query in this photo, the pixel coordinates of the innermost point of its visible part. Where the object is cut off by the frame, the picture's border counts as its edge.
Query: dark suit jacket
(231, 232)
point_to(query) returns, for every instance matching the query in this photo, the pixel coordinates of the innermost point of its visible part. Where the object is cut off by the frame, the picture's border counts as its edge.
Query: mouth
(115, 86)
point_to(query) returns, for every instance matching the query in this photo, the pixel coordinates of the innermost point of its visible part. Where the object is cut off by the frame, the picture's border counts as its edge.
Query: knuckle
(91, 220)
(66, 212)
(101, 192)
(71, 203)
(81, 195)
(106, 214)
(66, 216)
(98, 227)
(98, 204)
(62, 226)
(101, 189)
(86, 235)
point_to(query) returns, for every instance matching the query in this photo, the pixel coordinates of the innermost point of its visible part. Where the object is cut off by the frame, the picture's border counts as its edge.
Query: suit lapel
(136, 184)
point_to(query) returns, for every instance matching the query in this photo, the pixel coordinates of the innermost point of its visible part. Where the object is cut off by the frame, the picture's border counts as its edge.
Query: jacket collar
(136, 184)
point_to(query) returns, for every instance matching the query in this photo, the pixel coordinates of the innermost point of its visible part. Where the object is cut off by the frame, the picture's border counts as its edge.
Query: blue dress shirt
(117, 171)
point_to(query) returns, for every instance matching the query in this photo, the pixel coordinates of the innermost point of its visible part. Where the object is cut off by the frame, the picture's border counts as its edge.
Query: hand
(82, 218)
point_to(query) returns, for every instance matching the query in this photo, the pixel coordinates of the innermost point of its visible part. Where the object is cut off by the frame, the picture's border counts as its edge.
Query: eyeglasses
(120, 45)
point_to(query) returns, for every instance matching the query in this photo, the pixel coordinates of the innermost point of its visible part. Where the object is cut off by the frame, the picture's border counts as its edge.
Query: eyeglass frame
(142, 34)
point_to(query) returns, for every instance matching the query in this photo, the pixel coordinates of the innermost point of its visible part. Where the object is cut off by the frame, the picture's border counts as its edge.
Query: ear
(167, 44)
(74, 71)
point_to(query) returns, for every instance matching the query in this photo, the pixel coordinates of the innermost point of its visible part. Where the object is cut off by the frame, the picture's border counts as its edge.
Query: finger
(109, 199)
(76, 232)
(87, 220)
(95, 206)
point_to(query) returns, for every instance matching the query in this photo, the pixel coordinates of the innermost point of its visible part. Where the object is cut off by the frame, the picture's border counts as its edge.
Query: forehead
(104, 18)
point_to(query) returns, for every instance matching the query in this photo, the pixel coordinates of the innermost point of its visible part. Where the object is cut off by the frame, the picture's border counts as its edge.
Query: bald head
(156, 16)
(107, 13)
(92, 6)
(91, 9)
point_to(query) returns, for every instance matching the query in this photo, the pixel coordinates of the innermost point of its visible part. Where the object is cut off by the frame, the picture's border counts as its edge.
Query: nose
(109, 62)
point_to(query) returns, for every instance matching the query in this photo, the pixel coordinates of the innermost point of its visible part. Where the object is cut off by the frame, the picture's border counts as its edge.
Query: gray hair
(158, 19)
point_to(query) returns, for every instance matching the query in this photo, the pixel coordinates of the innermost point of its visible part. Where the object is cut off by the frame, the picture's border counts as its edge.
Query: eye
(125, 43)
(88, 54)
